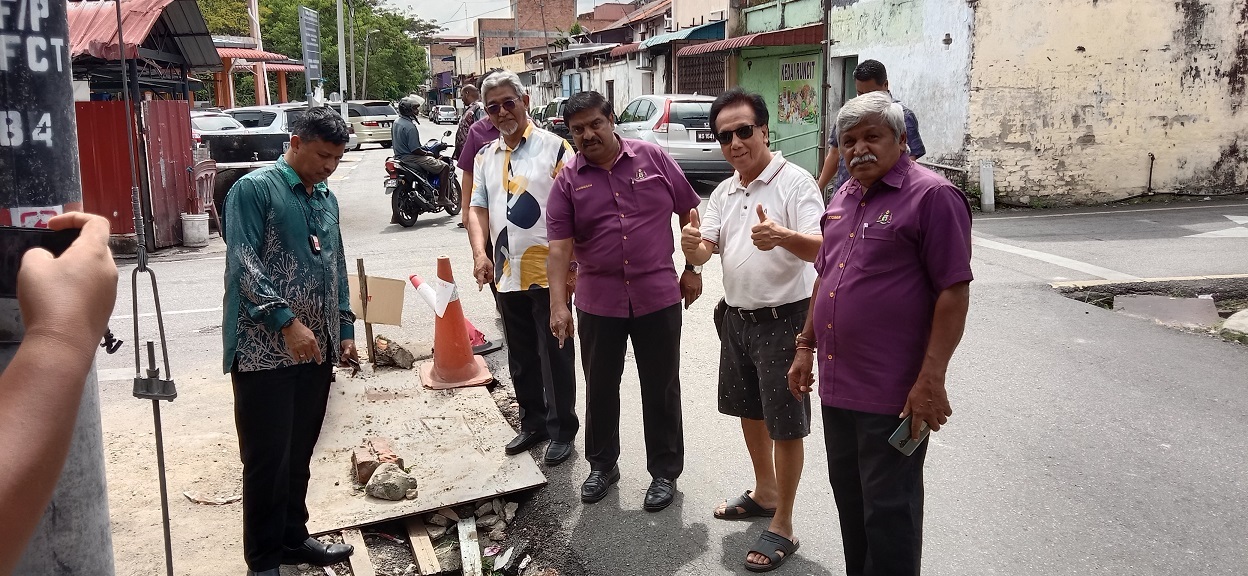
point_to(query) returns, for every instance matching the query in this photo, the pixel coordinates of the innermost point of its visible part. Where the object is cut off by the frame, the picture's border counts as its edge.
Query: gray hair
(502, 79)
(872, 105)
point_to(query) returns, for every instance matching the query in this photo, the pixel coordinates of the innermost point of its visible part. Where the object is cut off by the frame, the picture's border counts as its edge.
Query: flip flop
(775, 547)
(749, 509)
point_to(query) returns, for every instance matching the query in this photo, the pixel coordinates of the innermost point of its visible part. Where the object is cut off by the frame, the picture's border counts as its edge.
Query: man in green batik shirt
(287, 318)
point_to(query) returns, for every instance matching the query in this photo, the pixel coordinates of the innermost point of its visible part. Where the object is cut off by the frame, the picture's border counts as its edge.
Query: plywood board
(361, 563)
(452, 439)
(385, 299)
(422, 547)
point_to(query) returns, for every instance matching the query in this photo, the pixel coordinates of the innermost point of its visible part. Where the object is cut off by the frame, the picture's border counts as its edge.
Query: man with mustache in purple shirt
(613, 204)
(887, 312)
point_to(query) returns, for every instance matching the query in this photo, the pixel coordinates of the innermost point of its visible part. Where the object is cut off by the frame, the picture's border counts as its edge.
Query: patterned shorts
(754, 360)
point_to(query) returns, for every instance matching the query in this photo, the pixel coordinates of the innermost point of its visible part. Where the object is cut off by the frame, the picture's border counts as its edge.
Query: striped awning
(625, 50)
(252, 54)
(812, 34)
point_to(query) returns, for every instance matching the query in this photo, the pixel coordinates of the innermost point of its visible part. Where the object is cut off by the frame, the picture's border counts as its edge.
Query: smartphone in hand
(14, 242)
(901, 437)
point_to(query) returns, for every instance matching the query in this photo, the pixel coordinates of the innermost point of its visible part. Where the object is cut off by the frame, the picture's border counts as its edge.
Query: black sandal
(775, 547)
(748, 509)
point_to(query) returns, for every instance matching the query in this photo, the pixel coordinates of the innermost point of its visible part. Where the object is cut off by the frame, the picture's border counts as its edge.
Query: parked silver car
(681, 125)
(443, 114)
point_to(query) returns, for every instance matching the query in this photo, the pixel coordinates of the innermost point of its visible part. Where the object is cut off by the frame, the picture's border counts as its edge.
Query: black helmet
(408, 106)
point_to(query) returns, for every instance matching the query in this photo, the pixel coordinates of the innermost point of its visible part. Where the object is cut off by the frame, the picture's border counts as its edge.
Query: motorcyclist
(405, 142)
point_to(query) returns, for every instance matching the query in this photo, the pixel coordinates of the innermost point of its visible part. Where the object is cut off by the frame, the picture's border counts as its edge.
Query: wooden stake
(368, 328)
(361, 564)
(469, 547)
(422, 547)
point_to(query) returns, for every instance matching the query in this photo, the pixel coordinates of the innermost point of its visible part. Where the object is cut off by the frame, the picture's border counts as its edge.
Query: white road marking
(1062, 261)
(1240, 231)
(1101, 213)
(167, 313)
(115, 374)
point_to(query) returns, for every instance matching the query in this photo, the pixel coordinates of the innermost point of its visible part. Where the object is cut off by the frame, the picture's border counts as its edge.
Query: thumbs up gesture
(691, 234)
(767, 234)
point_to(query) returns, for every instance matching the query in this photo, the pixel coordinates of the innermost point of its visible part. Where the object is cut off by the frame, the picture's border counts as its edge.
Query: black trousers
(878, 493)
(543, 374)
(278, 414)
(656, 346)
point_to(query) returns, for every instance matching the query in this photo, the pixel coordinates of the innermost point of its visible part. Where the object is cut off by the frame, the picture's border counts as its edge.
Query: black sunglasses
(508, 105)
(745, 133)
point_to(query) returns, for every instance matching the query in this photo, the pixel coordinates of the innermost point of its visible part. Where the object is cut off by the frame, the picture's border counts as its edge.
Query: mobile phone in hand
(901, 438)
(14, 242)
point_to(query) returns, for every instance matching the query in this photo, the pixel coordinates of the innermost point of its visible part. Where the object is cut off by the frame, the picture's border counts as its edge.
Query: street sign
(310, 35)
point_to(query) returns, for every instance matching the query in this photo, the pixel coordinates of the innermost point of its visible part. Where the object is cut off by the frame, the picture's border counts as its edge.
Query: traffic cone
(453, 365)
(475, 337)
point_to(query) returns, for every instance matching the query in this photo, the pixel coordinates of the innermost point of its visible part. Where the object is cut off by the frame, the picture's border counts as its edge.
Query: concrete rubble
(390, 482)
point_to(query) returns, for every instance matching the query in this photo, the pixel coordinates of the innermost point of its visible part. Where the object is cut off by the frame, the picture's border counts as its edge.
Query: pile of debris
(376, 466)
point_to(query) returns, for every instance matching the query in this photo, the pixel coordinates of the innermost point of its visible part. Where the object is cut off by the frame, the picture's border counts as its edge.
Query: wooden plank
(361, 564)
(422, 547)
(469, 547)
(368, 328)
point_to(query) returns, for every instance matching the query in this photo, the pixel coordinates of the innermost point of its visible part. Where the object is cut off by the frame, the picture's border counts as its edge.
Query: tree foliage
(397, 63)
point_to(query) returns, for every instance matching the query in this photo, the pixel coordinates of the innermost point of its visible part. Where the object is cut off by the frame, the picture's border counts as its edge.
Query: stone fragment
(485, 508)
(389, 482)
(509, 511)
(449, 513)
(412, 494)
(436, 532)
(498, 506)
(498, 534)
(389, 353)
(374, 452)
(438, 520)
(488, 520)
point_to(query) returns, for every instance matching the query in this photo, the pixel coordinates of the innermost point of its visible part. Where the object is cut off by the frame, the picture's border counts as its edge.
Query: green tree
(396, 61)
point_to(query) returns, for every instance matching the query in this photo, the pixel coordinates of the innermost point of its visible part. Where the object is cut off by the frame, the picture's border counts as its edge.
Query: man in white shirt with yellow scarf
(512, 177)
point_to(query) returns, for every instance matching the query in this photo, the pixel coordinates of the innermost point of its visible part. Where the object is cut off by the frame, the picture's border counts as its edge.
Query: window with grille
(701, 75)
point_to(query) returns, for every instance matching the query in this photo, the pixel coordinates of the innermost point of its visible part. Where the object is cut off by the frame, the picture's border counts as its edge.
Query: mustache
(868, 157)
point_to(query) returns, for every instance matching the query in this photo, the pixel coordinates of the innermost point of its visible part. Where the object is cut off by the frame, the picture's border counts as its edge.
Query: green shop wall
(759, 70)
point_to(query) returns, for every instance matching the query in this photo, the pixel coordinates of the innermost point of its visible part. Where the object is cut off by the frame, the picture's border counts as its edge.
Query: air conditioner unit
(668, 24)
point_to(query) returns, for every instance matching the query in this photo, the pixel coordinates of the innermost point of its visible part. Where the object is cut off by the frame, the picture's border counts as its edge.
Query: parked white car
(276, 119)
(681, 125)
(211, 122)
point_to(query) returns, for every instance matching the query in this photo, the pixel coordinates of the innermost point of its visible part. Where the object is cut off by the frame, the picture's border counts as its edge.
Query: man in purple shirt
(613, 203)
(480, 134)
(887, 313)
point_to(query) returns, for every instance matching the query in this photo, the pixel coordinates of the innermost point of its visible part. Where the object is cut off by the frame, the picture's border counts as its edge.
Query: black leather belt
(771, 313)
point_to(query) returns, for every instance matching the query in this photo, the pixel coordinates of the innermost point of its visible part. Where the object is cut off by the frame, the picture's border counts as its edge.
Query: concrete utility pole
(364, 87)
(39, 169)
(351, 29)
(342, 67)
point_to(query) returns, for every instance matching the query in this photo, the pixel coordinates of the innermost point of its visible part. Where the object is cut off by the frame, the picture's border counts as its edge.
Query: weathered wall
(927, 74)
(527, 27)
(686, 13)
(779, 15)
(1069, 97)
(629, 82)
(759, 70)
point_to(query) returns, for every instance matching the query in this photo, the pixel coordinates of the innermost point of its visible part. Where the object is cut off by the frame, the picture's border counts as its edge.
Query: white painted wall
(930, 77)
(686, 13)
(628, 80)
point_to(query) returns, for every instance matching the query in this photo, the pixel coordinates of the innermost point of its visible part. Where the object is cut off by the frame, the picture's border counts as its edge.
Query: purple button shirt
(481, 133)
(620, 221)
(887, 254)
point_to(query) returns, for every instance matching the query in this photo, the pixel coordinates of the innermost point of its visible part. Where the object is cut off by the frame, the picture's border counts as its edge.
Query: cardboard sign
(385, 300)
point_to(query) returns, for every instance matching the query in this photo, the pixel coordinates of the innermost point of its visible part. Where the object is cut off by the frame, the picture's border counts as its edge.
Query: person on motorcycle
(405, 141)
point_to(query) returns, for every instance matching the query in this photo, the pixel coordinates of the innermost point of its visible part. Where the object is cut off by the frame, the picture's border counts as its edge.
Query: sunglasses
(508, 105)
(745, 133)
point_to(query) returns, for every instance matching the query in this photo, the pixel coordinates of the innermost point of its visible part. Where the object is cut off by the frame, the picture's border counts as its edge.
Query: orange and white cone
(480, 345)
(453, 364)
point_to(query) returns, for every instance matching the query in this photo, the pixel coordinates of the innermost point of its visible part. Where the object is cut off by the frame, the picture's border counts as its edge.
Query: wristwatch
(694, 269)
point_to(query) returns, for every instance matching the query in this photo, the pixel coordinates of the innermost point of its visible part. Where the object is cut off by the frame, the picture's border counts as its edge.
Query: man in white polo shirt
(764, 223)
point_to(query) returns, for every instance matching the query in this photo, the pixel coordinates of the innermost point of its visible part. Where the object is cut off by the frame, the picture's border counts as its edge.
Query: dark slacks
(656, 346)
(278, 414)
(878, 493)
(543, 374)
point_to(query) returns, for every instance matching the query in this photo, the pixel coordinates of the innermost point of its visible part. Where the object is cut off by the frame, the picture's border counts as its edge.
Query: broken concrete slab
(1236, 327)
(367, 457)
(1193, 313)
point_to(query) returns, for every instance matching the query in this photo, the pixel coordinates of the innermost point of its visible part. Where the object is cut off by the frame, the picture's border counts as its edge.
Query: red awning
(625, 49)
(93, 26)
(284, 67)
(812, 34)
(252, 54)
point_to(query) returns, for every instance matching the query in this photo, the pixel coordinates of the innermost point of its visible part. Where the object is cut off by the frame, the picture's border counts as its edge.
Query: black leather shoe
(661, 493)
(595, 487)
(557, 452)
(314, 552)
(269, 572)
(525, 440)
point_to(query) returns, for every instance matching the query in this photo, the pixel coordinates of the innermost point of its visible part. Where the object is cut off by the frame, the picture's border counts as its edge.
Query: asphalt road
(1082, 441)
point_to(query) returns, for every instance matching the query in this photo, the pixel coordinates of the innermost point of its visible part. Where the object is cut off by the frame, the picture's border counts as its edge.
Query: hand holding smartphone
(901, 439)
